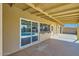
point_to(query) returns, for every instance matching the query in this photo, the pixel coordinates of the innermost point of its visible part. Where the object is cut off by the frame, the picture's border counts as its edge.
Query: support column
(78, 32)
(59, 29)
(62, 29)
(56, 28)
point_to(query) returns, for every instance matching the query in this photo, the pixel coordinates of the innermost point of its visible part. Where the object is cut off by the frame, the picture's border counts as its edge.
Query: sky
(71, 25)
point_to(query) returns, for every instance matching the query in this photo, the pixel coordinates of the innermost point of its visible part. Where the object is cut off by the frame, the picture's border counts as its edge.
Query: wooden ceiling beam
(63, 10)
(34, 12)
(40, 14)
(54, 7)
(78, 21)
(63, 7)
(69, 15)
(68, 21)
(41, 11)
(67, 12)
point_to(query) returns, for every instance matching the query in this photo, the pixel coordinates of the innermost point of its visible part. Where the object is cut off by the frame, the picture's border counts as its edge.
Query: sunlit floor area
(51, 47)
(65, 37)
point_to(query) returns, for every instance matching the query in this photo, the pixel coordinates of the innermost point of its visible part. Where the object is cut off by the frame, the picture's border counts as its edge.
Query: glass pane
(34, 38)
(41, 27)
(34, 24)
(25, 41)
(44, 27)
(25, 28)
(27, 23)
(34, 28)
(48, 28)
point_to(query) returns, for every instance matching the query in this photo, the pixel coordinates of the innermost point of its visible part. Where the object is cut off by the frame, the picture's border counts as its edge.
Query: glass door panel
(34, 28)
(25, 28)
(25, 41)
(34, 31)
(25, 32)
(34, 38)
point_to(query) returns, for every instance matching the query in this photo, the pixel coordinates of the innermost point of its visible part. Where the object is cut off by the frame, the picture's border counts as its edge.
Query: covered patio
(38, 29)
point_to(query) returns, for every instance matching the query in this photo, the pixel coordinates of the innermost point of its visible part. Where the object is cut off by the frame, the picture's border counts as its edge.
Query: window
(44, 28)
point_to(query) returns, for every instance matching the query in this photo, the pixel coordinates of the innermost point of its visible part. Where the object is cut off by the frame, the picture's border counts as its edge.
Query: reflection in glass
(25, 28)
(44, 27)
(25, 41)
(34, 28)
(29, 32)
(34, 38)
(24, 22)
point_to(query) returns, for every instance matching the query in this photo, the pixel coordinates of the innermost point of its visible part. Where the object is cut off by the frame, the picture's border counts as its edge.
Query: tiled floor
(51, 47)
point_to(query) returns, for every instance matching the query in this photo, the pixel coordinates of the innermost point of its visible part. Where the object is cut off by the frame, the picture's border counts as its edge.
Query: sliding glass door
(28, 32)
(25, 32)
(34, 31)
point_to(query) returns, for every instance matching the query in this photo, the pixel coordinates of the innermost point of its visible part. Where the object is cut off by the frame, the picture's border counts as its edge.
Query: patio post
(78, 32)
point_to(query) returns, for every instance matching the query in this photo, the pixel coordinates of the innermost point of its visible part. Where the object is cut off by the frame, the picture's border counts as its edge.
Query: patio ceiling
(59, 12)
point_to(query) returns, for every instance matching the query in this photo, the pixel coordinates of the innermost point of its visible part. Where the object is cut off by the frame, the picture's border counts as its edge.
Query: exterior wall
(11, 27)
(44, 36)
(0, 29)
